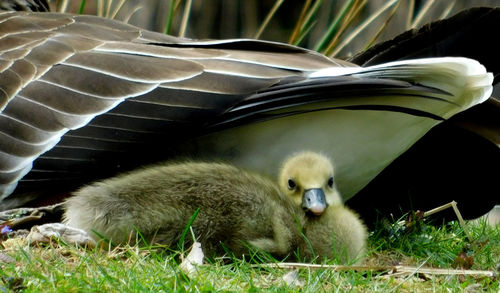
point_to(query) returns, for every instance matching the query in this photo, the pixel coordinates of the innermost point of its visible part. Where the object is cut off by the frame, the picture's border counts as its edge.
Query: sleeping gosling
(338, 234)
(236, 208)
(332, 230)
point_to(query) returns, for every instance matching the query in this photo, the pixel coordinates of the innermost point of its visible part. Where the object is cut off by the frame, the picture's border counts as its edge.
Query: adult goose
(84, 97)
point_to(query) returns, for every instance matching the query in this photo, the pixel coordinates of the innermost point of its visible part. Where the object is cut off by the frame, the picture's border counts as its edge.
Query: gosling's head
(308, 178)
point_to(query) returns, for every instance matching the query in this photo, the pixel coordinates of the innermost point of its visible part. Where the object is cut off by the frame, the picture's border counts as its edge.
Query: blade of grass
(411, 11)
(304, 34)
(100, 8)
(333, 28)
(62, 6)
(177, 5)
(448, 9)
(180, 244)
(421, 14)
(346, 22)
(268, 18)
(361, 27)
(82, 7)
(309, 20)
(117, 8)
(131, 12)
(185, 18)
(108, 8)
(356, 9)
(168, 21)
(410, 275)
(192, 234)
(383, 26)
(248, 15)
(300, 21)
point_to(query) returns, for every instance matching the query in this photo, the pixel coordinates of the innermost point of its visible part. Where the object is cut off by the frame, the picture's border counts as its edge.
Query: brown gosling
(333, 230)
(237, 208)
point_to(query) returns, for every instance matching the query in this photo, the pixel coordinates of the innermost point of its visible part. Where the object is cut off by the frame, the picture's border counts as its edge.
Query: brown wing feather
(60, 71)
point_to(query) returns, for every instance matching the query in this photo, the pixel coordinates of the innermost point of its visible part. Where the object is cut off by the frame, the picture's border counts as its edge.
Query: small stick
(460, 219)
(452, 204)
(438, 271)
(438, 209)
(295, 265)
(17, 222)
(391, 269)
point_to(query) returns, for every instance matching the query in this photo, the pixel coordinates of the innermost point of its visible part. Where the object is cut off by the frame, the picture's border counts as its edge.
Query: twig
(460, 219)
(437, 271)
(339, 268)
(389, 269)
(452, 204)
(411, 274)
(438, 209)
(14, 223)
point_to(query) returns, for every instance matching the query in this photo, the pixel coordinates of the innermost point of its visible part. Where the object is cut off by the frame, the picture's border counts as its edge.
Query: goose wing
(60, 71)
(455, 36)
(83, 97)
(457, 158)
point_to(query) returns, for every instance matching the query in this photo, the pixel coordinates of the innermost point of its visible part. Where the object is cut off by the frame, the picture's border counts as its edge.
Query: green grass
(334, 28)
(62, 268)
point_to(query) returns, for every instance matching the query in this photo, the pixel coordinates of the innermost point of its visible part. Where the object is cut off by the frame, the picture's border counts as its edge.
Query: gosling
(338, 234)
(333, 231)
(236, 208)
(307, 178)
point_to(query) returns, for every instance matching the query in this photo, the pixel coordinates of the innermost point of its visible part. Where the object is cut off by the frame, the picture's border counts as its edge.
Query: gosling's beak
(314, 201)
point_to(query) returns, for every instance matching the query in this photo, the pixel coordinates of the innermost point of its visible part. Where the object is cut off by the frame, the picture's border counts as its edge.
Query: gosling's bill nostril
(314, 201)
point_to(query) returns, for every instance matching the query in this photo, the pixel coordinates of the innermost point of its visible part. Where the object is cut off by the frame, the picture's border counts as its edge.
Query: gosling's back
(235, 206)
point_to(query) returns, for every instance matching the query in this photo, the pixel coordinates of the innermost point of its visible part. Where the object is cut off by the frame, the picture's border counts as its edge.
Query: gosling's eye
(330, 182)
(291, 184)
